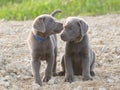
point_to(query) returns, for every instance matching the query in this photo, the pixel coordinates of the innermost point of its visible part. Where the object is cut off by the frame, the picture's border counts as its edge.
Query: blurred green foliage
(29, 9)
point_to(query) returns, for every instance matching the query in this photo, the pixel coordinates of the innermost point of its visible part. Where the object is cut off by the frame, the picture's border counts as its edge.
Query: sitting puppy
(43, 45)
(78, 58)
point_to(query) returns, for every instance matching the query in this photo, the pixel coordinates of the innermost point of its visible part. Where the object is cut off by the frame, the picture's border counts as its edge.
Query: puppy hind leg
(92, 66)
(62, 73)
(86, 68)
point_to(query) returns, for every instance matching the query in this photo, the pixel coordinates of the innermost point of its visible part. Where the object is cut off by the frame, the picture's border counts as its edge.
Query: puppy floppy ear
(39, 25)
(83, 27)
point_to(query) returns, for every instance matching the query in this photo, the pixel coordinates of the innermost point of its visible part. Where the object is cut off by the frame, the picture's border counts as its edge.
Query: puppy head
(47, 24)
(74, 28)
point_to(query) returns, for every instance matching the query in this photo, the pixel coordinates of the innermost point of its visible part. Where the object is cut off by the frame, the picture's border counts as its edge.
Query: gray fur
(55, 12)
(45, 26)
(78, 58)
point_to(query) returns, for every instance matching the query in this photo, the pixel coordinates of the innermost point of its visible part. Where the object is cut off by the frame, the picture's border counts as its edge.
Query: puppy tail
(55, 12)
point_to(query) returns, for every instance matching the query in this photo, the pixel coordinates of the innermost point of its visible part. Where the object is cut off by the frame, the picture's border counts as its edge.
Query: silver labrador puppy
(79, 58)
(43, 45)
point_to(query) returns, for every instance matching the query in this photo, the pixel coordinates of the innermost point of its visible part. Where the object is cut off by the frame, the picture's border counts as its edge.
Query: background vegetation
(29, 9)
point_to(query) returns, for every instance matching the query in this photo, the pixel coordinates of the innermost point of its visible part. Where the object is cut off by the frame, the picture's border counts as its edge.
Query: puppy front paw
(69, 79)
(38, 82)
(46, 78)
(87, 78)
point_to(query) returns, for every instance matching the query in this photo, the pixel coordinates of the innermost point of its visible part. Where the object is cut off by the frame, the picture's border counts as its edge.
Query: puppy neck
(39, 36)
(78, 40)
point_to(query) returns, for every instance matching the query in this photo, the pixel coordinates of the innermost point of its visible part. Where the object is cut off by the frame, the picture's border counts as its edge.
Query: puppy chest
(76, 57)
(74, 52)
(45, 52)
(77, 64)
(45, 55)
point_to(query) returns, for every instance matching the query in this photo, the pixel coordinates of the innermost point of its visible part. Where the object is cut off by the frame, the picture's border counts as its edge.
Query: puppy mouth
(58, 31)
(64, 40)
(64, 37)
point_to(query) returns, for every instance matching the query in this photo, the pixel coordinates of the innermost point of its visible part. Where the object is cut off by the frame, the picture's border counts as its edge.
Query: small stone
(8, 78)
(77, 78)
(78, 88)
(6, 84)
(116, 78)
(102, 88)
(101, 62)
(36, 86)
(26, 77)
(13, 74)
(117, 57)
(117, 50)
(2, 72)
(14, 87)
(11, 68)
(110, 80)
(105, 49)
(52, 81)
(90, 88)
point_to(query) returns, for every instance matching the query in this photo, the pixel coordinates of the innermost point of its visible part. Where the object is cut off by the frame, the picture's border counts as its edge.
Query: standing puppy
(78, 58)
(43, 45)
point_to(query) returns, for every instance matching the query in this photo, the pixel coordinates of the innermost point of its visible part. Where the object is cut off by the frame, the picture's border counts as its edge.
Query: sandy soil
(15, 67)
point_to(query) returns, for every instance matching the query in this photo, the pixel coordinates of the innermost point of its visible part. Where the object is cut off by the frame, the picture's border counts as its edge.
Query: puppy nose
(61, 24)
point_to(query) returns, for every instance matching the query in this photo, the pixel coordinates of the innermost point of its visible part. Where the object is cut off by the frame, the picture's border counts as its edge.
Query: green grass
(29, 9)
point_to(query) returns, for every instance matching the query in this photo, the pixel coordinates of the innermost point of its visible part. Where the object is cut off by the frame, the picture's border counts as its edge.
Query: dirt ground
(15, 66)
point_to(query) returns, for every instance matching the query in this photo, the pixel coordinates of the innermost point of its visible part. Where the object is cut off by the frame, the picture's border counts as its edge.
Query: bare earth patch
(15, 66)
